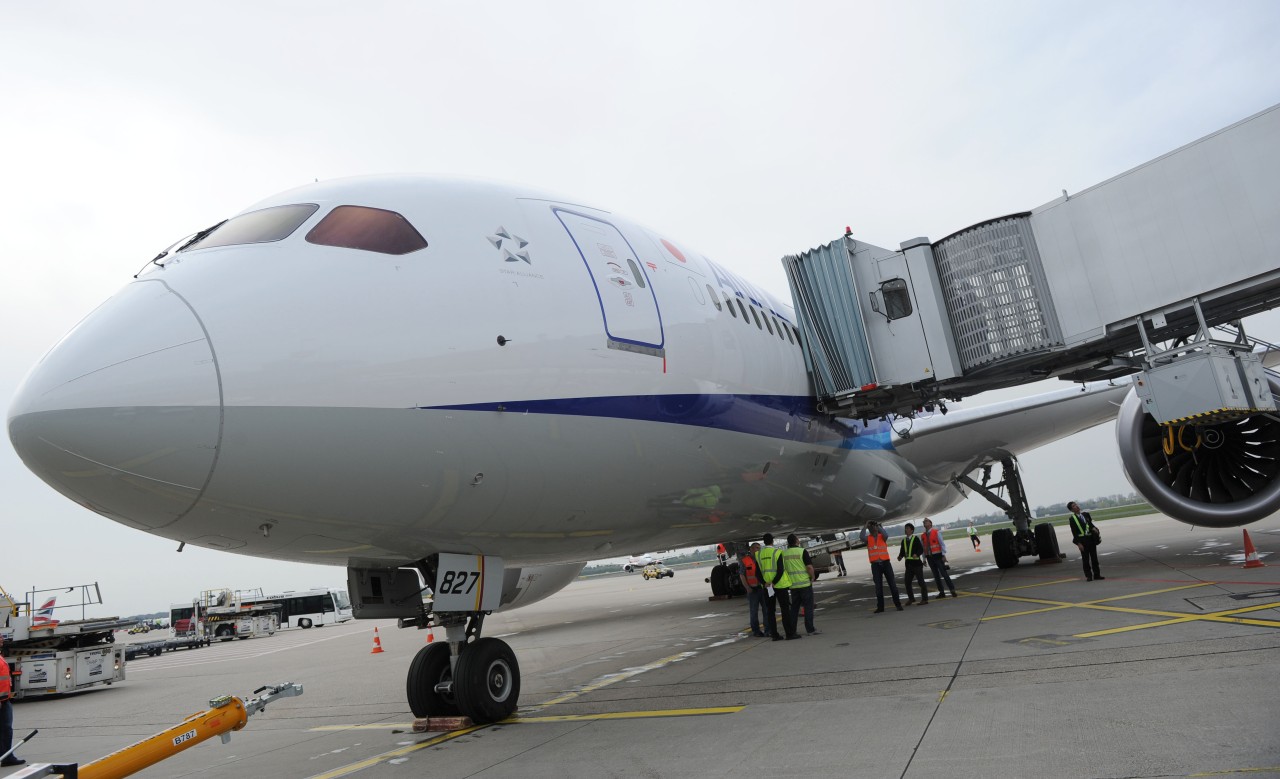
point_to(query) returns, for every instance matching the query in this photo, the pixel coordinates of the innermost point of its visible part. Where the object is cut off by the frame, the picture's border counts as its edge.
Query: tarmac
(1170, 667)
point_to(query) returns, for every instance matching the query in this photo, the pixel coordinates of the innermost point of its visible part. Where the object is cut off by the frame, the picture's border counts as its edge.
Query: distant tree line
(1052, 510)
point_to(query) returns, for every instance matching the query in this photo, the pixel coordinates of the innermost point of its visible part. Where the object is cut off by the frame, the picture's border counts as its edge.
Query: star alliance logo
(510, 239)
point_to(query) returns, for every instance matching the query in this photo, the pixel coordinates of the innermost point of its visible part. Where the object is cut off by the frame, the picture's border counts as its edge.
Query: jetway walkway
(1129, 275)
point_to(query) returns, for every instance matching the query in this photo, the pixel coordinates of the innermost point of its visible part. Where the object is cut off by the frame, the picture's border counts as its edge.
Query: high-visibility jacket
(6, 683)
(750, 571)
(877, 547)
(1079, 525)
(932, 541)
(793, 564)
(911, 549)
(770, 561)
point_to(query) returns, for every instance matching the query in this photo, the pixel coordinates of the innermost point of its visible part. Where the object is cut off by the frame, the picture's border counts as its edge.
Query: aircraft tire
(720, 581)
(429, 667)
(487, 681)
(1046, 541)
(1004, 548)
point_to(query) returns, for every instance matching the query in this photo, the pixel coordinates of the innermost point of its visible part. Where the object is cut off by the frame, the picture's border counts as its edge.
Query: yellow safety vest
(793, 564)
(768, 558)
(910, 548)
(1081, 529)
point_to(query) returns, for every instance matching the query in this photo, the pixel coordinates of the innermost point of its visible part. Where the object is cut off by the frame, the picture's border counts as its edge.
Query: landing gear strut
(1008, 545)
(464, 674)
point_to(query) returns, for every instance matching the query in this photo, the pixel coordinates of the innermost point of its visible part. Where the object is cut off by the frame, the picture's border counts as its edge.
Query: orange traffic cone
(377, 644)
(1250, 554)
(431, 636)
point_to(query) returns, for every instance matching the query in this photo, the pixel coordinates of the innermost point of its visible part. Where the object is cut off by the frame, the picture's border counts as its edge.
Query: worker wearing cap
(6, 711)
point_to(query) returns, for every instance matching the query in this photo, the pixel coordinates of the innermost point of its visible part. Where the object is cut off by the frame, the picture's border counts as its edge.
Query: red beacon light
(869, 387)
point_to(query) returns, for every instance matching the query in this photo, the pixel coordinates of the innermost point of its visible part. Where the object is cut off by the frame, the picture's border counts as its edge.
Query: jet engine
(1219, 475)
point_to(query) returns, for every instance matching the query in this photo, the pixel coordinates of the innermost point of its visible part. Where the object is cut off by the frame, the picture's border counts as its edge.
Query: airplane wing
(943, 447)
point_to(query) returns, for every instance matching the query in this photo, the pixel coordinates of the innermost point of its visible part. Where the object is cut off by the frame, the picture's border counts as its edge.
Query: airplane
(479, 387)
(637, 562)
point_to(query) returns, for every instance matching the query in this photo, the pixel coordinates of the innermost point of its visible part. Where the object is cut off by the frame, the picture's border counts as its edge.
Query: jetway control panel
(1127, 276)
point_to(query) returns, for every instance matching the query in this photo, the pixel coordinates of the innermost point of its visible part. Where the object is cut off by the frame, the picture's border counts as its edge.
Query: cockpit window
(265, 226)
(368, 229)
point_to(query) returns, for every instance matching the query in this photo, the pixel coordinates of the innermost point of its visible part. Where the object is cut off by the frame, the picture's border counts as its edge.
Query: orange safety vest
(750, 571)
(877, 548)
(932, 544)
(6, 684)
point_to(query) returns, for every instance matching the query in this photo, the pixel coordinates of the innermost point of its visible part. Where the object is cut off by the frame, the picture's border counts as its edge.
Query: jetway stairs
(1128, 276)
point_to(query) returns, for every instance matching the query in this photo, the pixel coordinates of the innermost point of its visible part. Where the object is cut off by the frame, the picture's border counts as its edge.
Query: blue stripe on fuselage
(766, 415)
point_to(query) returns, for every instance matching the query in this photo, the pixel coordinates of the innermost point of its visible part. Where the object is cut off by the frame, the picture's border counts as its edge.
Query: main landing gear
(1021, 541)
(465, 674)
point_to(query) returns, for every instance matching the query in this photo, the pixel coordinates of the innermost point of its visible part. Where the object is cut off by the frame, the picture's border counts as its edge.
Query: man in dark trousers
(770, 560)
(1085, 536)
(912, 551)
(881, 568)
(935, 552)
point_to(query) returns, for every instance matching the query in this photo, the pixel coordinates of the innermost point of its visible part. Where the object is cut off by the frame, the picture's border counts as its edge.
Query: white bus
(307, 608)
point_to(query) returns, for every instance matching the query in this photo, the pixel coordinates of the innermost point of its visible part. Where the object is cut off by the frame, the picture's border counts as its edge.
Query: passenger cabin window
(743, 308)
(264, 226)
(756, 317)
(367, 229)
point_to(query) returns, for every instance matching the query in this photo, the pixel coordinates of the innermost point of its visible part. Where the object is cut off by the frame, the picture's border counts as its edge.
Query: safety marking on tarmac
(1048, 641)
(1059, 605)
(1216, 602)
(1171, 617)
(1275, 768)
(609, 679)
(531, 720)
(401, 752)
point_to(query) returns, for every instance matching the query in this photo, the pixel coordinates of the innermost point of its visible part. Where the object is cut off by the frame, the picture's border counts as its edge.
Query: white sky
(747, 129)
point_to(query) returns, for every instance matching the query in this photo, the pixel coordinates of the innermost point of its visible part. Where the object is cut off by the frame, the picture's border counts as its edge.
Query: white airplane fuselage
(544, 381)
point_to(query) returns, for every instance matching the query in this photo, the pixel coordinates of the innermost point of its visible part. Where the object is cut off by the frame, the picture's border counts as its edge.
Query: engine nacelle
(1222, 475)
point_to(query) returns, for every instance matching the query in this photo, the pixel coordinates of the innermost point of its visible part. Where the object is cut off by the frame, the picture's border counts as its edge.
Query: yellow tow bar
(224, 715)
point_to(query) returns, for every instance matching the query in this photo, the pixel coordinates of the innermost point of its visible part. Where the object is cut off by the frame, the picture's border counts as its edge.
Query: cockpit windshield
(264, 226)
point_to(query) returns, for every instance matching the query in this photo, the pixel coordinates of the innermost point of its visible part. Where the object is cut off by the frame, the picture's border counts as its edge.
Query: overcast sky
(747, 129)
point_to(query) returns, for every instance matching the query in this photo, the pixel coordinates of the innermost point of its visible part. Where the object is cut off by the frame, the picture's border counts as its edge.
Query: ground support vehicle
(657, 572)
(51, 656)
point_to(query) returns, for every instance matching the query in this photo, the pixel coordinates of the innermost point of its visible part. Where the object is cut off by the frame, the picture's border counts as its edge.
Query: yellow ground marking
(401, 752)
(1215, 616)
(517, 720)
(522, 720)
(1103, 600)
(1172, 617)
(1239, 771)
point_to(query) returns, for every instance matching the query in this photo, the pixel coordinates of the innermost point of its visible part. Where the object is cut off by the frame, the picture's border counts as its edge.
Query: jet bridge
(1127, 276)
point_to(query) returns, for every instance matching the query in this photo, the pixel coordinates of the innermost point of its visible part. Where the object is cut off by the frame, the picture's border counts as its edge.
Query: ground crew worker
(973, 536)
(1084, 534)
(839, 558)
(935, 552)
(755, 588)
(782, 590)
(6, 712)
(770, 560)
(881, 568)
(911, 550)
(800, 569)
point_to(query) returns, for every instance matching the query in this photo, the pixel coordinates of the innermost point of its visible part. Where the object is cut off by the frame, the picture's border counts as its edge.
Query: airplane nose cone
(123, 414)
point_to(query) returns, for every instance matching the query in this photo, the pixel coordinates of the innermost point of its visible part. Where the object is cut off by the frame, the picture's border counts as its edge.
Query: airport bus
(307, 608)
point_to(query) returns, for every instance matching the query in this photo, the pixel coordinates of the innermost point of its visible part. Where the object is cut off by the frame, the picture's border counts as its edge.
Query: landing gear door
(632, 321)
(468, 583)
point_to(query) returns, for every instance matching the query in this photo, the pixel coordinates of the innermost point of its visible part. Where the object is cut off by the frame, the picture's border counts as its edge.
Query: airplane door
(632, 321)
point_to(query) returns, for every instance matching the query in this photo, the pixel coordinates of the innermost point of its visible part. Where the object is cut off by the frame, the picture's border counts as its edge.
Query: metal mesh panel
(997, 297)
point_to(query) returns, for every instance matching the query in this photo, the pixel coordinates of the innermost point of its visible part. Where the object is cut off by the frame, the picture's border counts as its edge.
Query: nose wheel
(482, 682)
